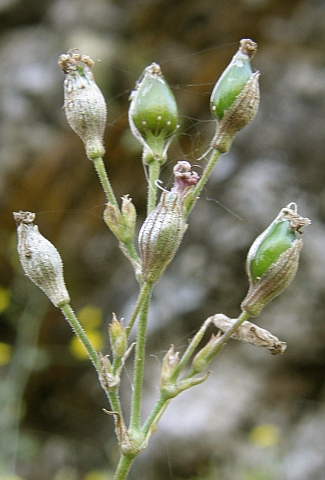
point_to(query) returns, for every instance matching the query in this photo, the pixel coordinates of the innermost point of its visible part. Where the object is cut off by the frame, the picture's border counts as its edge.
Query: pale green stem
(92, 354)
(123, 467)
(139, 360)
(104, 180)
(81, 334)
(192, 199)
(156, 413)
(154, 171)
(191, 348)
(132, 253)
(221, 341)
(141, 298)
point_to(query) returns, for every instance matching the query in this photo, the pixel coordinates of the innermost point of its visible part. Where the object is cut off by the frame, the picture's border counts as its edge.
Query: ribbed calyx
(161, 235)
(162, 232)
(84, 103)
(40, 260)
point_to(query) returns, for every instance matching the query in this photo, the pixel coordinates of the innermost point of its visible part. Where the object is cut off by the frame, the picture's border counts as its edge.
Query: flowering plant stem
(270, 264)
(142, 298)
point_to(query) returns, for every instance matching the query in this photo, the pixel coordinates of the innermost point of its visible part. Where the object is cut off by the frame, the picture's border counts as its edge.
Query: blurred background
(257, 417)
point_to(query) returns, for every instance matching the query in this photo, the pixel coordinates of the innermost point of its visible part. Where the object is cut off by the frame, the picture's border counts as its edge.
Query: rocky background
(257, 417)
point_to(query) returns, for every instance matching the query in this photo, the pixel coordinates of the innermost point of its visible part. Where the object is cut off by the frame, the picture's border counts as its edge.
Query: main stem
(139, 360)
(123, 467)
(142, 298)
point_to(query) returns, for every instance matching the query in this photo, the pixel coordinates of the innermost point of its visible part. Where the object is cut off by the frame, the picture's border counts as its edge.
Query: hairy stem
(71, 317)
(81, 334)
(141, 298)
(123, 467)
(161, 405)
(104, 180)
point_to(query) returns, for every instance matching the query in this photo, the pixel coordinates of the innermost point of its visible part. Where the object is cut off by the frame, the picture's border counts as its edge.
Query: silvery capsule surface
(40, 260)
(84, 103)
(161, 235)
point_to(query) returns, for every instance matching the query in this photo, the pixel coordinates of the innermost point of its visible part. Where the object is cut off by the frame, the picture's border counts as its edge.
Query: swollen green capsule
(235, 98)
(273, 259)
(153, 113)
(233, 79)
(267, 248)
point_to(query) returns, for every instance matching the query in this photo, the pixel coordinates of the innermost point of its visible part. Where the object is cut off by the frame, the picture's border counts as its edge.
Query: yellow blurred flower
(90, 317)
(4, 301)
(77, 349)
(266, 435)
(5, 355)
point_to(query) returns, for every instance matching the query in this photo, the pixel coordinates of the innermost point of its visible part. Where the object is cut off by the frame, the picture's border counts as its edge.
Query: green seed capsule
(153, 107)
(276, 239)
(273, 259)
(233, 79)
(153, 114)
